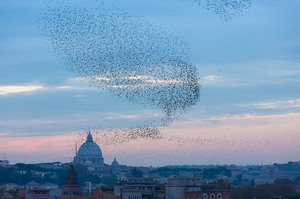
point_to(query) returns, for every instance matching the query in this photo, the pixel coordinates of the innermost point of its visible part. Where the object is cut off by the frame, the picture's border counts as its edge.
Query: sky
(248, 112)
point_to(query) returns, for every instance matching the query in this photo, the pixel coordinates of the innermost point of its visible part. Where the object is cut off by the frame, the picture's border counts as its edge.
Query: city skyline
(248, 111)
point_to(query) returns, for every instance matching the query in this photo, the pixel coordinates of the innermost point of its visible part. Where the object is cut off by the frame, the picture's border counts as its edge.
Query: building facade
(196, 188)
(138, 188)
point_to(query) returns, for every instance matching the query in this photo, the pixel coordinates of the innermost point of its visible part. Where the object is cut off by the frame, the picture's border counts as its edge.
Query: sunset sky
(248, 113)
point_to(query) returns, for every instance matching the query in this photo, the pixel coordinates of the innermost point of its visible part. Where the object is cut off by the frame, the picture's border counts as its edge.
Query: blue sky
(249, 65)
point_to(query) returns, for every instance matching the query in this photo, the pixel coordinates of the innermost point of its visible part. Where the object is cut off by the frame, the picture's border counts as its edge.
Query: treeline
(290, 166)
(280, 187)
(207, 173)
(21, 174)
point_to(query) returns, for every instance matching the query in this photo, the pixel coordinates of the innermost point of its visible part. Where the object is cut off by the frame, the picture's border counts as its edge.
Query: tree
(137, 173)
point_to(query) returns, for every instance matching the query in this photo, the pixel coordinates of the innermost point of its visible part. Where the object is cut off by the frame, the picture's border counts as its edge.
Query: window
(212, 196)
(205, 196)
(219, 196)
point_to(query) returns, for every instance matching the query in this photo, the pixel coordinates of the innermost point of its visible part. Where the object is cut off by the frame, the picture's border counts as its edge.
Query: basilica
(89, 154)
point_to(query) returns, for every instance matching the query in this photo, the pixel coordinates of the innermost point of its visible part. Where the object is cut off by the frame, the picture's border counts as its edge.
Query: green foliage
(297, 179)
(211, 173)
(137, 173)
(280, 187)
(29, 167)
(160, 187)
(109, 180)
(107, 189)
(23, 173)
(8, 175)
(293, 197)
(290, 166)
(167, 171)
(85, 176)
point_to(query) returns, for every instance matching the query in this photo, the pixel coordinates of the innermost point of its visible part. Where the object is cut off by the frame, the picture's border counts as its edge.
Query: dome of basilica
(89, 148)
(89, 154)
(115, 163)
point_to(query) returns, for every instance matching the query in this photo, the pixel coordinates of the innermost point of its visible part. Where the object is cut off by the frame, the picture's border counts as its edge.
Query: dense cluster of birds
(122, 136)
(225, 9)
(111, 137)
(129, 57)
(125, 55)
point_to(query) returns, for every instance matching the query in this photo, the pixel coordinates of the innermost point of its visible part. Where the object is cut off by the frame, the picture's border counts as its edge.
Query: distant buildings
(37, 194)
(176, 188)
(11, 186)
(170, 182)
(72, 190)
(5, 194)
(33, 190)
(139, 188)
(173, 182)
(90, 156)
(4, 163)
(196, 188)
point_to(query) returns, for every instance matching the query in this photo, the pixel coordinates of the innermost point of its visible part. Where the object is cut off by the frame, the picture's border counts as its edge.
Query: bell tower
(71, 186)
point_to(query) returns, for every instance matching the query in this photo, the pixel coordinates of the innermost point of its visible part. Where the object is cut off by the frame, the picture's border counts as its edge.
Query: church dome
(89, 148)
(115, 163)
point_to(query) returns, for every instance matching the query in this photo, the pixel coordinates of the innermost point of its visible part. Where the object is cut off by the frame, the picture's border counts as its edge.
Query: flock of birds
(112, 137)
(225, 9)
(125, 55)
(130, 58)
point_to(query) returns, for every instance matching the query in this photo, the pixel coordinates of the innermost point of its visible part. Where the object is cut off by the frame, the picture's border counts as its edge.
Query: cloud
(238, 121)
(116, 116)
(251, 73)
(278, 104)
(210, 79)
(33, 150)
(138, 81)
(255, 121)
(36, 87)
(80, 96)
(60, 122)
(14, 89)
(22, 89)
